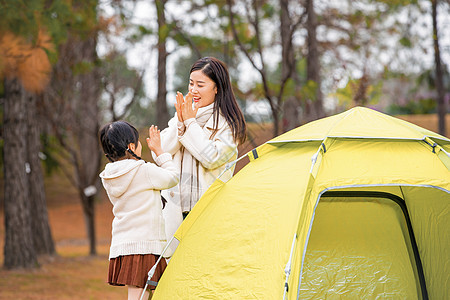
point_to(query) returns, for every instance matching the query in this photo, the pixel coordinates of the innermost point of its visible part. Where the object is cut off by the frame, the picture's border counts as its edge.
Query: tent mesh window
(362, 245)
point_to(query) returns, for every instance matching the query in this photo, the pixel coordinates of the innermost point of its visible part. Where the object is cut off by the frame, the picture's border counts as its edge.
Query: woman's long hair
(225, 101)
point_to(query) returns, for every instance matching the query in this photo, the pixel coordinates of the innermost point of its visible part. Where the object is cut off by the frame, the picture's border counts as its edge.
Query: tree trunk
(18, 250)
(276, 122)
(291, 105)
(74, 117)
(287, 51)
(42, 237)
(162, 114)
(313, 64)
(291, 117)
(441, 107)
(89, 220)
(71, 108)
(87, 136)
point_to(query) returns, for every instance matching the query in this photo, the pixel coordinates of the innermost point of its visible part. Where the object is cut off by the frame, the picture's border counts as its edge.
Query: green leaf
(268, 10)
(164, 32)
(404, 41)
(82, 67)
(309, 90)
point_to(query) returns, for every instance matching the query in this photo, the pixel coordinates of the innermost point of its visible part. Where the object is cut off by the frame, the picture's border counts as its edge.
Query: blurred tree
(169, 29)
(292, 105)
(81, 83)
(247, 33)
(188, 30)
(123, 94)
(441, 105)
(250, 30)
(359, 92)
(71, 107)
(19, 248)
(353, 41)
(180, 32)
(181, 79)
(162, 113)
(315, 110)
(42, 237)
(122, 85)
(24, 68)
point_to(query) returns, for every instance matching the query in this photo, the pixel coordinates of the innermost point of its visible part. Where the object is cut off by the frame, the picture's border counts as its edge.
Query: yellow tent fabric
(356, 205)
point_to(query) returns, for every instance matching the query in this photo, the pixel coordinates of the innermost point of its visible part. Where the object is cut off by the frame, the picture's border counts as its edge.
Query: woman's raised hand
(178, 106)
(186, 108)
(154, 140)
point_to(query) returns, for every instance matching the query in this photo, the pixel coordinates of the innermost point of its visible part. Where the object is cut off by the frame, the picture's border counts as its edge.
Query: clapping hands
(154, 140)
(184, 107)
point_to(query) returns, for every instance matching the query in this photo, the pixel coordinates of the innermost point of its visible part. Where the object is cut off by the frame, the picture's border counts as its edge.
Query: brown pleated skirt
(133, 270)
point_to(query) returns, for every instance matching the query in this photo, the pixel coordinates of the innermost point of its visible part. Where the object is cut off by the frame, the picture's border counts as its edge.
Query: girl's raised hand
(154, 140)
(178, 105)
(187, 110)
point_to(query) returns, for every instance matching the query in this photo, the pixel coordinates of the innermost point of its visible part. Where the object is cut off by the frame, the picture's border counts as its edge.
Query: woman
(202, 137)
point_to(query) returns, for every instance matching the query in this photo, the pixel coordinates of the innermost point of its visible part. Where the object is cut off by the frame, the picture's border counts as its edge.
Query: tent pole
(230, 164)
(311, 181)
(153, 269)
(287, 269)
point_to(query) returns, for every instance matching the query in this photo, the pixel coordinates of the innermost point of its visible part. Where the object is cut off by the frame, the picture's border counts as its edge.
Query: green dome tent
(356, 205)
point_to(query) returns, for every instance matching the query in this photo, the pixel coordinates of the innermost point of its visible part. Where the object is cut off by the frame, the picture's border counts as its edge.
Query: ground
(73, 274)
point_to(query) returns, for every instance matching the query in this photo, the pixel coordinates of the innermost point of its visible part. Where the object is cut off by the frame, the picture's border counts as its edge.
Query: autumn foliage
(25, 60)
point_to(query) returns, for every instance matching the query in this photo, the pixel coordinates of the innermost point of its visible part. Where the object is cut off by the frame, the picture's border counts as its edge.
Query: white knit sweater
(212, 153)
(133, 187)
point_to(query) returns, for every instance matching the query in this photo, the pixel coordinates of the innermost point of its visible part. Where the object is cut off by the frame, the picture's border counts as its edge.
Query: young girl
(133, 187)
(202, 139)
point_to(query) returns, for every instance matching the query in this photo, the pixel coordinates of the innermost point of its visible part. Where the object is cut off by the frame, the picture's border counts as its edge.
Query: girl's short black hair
(115, 138)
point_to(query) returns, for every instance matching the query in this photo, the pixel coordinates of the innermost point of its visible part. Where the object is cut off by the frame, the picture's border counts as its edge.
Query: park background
(69, 67)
